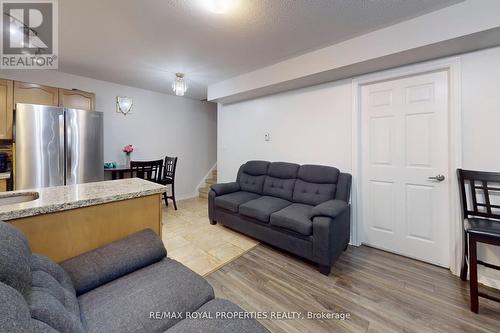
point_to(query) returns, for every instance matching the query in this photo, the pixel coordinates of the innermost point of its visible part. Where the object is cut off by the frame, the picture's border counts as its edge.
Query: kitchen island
(64, 221)
(4, 176)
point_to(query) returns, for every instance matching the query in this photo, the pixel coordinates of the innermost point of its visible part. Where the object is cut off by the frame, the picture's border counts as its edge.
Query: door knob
(439, 178)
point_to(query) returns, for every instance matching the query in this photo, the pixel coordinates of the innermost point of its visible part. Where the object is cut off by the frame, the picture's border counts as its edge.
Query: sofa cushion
(107, 263)
(281, 180)
(215, 309)
(319, 174)
(315, 184)
(47, 308)
(262, 208)
(256, 168)
(233, 201)
(252, 175)
(40, 262)
(15, 256)
(312, 193)
(251, 183)
(283, 170)
(280, 188)
(296, 217)
(15, 316)
(125, 304)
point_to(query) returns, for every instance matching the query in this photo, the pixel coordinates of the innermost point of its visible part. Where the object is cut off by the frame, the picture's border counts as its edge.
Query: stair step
(209, 181)
(204, 189)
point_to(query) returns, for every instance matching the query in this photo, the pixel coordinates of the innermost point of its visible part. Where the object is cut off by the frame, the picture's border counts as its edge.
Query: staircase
(209, 181)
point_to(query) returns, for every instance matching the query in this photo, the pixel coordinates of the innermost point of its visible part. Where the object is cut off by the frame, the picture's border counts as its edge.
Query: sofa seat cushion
(210, 320)
(233, 201)
(125, 305)
(296, 217)
(262, 208)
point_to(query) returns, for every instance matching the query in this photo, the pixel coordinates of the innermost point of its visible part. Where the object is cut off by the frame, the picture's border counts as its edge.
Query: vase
(127, 160)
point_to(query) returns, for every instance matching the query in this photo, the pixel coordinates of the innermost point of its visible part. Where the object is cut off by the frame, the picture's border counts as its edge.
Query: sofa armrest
(330, 208)
(225, 188)
(330, 236)
(102, 265)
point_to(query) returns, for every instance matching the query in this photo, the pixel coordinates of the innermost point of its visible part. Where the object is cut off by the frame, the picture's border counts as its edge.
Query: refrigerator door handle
(69, 151)
(62, 169)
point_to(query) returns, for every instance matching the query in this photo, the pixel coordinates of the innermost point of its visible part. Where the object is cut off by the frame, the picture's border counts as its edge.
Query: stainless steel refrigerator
(57, 146)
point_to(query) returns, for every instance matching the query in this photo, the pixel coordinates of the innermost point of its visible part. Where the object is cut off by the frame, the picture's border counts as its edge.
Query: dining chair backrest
(169, 167)
(478, 198)
(148, 170)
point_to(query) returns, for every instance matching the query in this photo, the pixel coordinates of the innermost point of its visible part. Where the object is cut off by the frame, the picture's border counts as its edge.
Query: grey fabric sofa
(127, 286)
(302, 209)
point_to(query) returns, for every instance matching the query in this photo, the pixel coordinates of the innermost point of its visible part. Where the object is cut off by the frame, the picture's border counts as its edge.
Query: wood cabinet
(77, 99)
(32, 93)
(6, 109)
(3, 185)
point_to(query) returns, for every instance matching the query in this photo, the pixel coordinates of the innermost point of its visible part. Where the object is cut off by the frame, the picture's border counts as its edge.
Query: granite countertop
(59, 198)
(4, 175)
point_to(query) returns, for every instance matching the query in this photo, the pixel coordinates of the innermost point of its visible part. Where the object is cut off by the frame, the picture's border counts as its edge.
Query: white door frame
(453, 67)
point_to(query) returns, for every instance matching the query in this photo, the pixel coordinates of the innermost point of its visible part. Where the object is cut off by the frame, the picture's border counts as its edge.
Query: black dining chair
(168, 178)
(481, 224)
(148, 170)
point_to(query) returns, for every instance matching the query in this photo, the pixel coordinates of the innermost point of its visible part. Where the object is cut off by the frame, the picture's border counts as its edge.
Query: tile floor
(191, 240)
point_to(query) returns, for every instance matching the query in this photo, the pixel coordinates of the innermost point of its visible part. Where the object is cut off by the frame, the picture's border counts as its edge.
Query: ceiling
(142, 43)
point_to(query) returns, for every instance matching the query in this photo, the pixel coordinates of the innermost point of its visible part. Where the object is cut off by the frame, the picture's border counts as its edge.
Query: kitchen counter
(4, 175)
(62, 198)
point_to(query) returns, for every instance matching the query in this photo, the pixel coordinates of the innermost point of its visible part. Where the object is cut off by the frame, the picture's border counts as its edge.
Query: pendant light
(179, 86)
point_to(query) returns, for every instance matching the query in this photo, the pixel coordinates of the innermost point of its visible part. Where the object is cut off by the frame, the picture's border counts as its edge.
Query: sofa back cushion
(252, 175)
(15, 257)
(280, 180)
(15, 315)
(45, 288)
(315, 184)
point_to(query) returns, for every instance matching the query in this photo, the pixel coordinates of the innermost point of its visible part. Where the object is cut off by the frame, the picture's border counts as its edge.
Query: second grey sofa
(303, 209)
(128, 286)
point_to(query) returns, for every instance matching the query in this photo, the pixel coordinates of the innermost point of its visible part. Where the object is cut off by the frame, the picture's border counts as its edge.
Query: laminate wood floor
(382, 292)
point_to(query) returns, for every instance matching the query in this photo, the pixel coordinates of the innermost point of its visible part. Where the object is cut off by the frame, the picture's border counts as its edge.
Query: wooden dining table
(119, 171)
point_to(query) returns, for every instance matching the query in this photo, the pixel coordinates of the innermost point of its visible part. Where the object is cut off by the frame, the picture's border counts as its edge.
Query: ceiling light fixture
(179, 86)
(219, 6)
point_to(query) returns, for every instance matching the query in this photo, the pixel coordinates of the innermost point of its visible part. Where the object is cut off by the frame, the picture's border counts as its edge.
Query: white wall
(481, 121)
(314, 125)
(160, 124)
(311, 125)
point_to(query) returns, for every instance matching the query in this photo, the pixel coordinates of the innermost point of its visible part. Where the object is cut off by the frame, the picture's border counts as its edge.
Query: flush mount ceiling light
(179, 86)
(219, 6)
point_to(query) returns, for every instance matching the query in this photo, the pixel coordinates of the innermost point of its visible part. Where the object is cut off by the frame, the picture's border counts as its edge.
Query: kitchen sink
(14, 198)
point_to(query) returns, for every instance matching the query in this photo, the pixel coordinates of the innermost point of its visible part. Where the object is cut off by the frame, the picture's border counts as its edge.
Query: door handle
(438, 178)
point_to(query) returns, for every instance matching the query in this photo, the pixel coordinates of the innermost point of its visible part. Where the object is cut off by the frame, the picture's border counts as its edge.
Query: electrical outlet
(267, 137)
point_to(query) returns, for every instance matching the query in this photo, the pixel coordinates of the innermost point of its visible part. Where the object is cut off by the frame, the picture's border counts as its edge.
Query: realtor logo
(29, 34)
